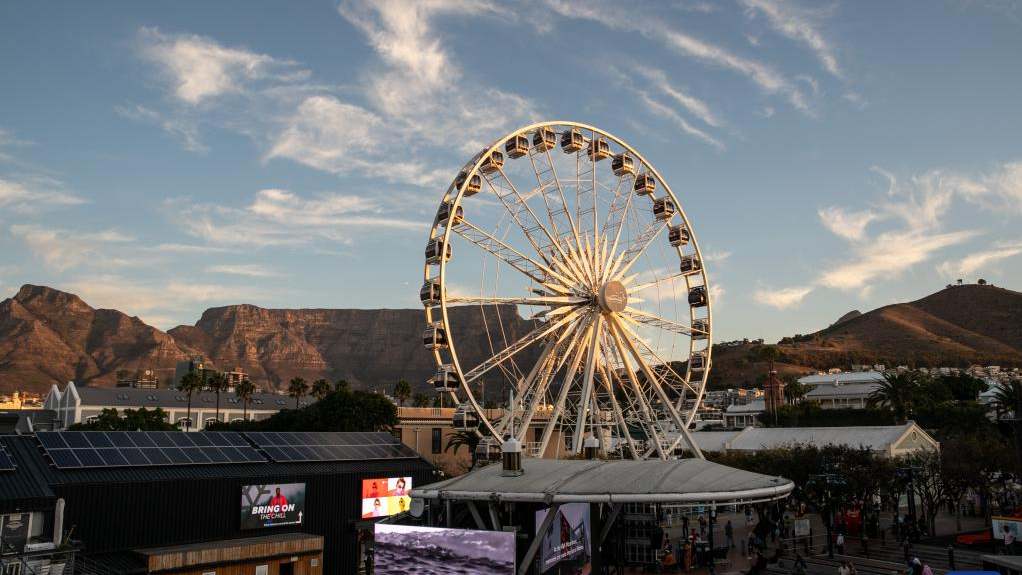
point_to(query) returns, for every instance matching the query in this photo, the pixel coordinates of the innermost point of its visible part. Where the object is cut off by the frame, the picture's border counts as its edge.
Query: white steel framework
(568, 235)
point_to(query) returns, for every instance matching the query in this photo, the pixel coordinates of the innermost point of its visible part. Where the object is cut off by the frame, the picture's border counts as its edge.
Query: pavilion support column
(475, 514)
(538, 539)
(608, 522)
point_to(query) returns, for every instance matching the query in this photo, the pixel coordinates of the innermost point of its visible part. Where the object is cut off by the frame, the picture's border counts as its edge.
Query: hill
(48, 336)
(957, 326)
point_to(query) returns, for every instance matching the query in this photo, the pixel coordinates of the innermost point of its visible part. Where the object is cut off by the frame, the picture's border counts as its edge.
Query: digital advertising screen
(272, 505)
(404, 549)
(385, 496)
(566, 546)
(1002, 525)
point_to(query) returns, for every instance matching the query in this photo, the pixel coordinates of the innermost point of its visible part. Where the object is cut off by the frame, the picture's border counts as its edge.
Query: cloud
(248, 270)
(782, 298)
(715, 256)
(848, 224)
(981, 260)
(693, 105)
(34, 194)
(279, 217)
(616, 17)
(889, 256)
(62, 250)
(201, 69)
(796, 24)
(162, 304)
(179, 128)
(998, 191)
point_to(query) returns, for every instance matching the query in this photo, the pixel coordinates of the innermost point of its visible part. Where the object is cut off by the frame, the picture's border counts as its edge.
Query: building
(193, 364)
(76, 404)
(235, 376)
(144, 378)
(773, 392)
(844, 378)
(190, 518)
(890, 440)
(744, 414)
(843, 395)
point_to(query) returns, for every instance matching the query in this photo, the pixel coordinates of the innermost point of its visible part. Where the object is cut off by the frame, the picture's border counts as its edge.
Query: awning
(598, 481)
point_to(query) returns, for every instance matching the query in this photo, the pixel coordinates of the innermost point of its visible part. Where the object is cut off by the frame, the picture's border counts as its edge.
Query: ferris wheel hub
(613, 296)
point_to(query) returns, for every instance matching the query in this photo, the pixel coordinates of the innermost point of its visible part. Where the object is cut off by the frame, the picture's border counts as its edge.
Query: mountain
(49, 336)
(852, 314)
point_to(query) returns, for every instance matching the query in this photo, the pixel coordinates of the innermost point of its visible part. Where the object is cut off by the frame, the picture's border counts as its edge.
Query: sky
(163, 158)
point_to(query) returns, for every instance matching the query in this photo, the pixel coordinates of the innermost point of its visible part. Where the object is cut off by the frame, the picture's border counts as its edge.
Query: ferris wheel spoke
(543, 165)
(615, 221)
(651, 320)
(655, 357)
(538, 272)
(527, 340)
(654, 382)
(550, 301)
(555, 362)
(631, 255)
(649, 284)
(619, 417)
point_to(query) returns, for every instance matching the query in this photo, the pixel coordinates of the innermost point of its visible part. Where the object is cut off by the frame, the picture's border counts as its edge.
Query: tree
(420, 400)
(769, 353)
(795, 391)
(982, 282)
(1007, 398)
(464, 438)
(320, 388)
(897, 392)
(963, 387)
(141, 419)
(217, 383)
(190, 383)
(297, 389)
(929, 482)
(342, 385)
(402, 391)
(244, 391)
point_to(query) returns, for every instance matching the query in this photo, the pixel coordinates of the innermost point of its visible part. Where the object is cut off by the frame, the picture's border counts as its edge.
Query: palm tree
(320, 388)
(341, 385)
(420, 400)
(795, 391)
(402, 391)
(1007, 398)
(899, 392)
(190, 383)
(217, 383)
(244, 391)
(297, 389)
(464, 438)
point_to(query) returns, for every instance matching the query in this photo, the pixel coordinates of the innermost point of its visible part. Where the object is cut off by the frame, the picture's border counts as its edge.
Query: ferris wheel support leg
(618, 415)
(592, 357)
(562, 396)
(640, 396)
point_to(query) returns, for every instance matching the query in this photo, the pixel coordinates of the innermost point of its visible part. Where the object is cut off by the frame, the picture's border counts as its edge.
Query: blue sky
(162, 159)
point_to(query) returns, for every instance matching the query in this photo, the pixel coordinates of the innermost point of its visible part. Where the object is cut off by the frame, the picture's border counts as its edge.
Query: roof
(753, 406)
(713, 440)
(843, 390)
(26, 420)
(624, 481)
(841, 378)
(876, 438)
(28, 456)
(21, 488)
(133, 397)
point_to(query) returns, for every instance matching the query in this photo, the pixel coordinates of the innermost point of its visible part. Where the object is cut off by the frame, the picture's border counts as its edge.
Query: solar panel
(6, 463)
(75, 449)
(329, 446)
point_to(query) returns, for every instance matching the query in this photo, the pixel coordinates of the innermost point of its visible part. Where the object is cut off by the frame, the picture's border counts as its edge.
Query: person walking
(843, 569)
(840, 543)
(1009, 541)
(748, 515)
(702, 525)
(926, 569)
(729, 534)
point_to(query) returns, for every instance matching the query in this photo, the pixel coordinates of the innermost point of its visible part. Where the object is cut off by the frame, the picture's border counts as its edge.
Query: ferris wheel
(572, 254)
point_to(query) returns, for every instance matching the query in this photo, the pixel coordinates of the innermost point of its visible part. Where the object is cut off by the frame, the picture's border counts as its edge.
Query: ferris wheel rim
(454, 196)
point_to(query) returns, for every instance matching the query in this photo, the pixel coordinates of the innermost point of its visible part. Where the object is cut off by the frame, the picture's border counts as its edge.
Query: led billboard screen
(385, 496)
(272, 505)
(566, 546)
(407, 549)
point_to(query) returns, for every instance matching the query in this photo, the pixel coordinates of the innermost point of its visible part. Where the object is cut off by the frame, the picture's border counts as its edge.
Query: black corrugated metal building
(119, 509)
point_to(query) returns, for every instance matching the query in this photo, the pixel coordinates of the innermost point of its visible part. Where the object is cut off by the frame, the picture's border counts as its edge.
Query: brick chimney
(773, 391)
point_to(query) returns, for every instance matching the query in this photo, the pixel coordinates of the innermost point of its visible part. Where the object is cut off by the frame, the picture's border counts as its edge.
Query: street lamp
(828, 481)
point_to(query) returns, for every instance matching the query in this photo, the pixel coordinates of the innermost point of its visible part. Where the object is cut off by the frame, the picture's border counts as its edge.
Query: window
(207, 399)
(210, 420)
(151, 397)
(437, 440)
(232, 400)
(180, 398)
(257, 400)
(91, 419)
(281, 402)
(184, 422)
(122, 396)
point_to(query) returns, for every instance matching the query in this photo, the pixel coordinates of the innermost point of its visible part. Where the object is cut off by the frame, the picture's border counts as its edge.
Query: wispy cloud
(798, 24)
(693, 105)
(33, 194)
(848, 224)
(179, 128)
(982, 260)
(62, 250)
(782, 298)
(248, 270)
(615, 16)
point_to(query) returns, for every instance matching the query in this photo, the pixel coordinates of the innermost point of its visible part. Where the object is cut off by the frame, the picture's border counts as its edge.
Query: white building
(890, 440)
(842, 396)
(76, 404)
(743, 415)
(845, 378)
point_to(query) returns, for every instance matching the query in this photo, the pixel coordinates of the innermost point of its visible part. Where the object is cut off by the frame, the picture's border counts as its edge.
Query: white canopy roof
(597, 481)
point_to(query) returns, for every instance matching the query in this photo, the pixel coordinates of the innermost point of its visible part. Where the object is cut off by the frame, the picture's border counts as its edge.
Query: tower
(773, 391)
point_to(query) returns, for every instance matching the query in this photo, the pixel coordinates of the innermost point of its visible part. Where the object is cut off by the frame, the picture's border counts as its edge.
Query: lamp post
(828, 480)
